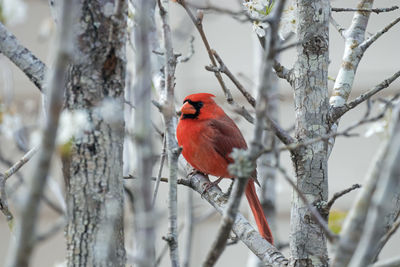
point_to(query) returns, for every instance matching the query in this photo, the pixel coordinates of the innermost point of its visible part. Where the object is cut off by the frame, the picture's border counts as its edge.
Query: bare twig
(337, 26)
(375, 37)
(162, 159)
(224, 69)
(337, 195)
(33, 67)
(20, 163)
(190, 54)
(22, 247)
(199, 26)
(337, 112)
(54, 229)
(375, 10)
(382, 242)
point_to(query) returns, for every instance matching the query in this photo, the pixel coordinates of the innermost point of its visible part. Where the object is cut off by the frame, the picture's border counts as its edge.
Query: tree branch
(367, 43)
(267, 253)
(168, 112)
(33, 67)
(337, 195)
(375, 10)
(283, 72)
(337, 26)
(337, 112)
(224, 69)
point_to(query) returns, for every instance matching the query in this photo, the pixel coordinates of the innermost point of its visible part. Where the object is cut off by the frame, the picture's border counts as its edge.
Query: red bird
(207, 136)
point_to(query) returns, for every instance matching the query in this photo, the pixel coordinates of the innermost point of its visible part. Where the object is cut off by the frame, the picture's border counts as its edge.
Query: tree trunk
(308, 242)
(95, 85)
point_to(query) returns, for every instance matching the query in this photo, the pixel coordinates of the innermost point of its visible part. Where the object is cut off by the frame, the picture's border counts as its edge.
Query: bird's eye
(200, 104)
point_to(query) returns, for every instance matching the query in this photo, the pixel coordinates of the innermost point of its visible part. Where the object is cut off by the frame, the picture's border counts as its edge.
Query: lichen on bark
(93, 168)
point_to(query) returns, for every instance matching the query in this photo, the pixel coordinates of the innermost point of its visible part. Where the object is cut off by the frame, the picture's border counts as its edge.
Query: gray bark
(308, 242)
(93, 168)
(33, 68)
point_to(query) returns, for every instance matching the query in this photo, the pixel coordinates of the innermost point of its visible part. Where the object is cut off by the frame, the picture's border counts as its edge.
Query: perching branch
(33, 67)
(375, 10)
(267, 253)
(21, 248)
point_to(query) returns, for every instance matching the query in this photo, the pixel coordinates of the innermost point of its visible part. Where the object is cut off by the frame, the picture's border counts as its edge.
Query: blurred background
(236, 44)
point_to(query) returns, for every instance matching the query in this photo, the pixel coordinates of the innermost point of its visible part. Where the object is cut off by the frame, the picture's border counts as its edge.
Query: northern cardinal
(207, 136)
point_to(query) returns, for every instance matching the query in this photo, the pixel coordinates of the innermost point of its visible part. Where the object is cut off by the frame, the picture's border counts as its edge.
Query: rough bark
(308, 242)
(96, 82)
(33, 68)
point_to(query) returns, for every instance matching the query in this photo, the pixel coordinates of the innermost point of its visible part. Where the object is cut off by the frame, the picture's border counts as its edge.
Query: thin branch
(21, 249)
(199, 26)
(13, 169)
(386, 237)
(169, 115)
(190, 54)
(162, 159)
(375, 37)
(337, 195)
(375, 10)
(33, 67)
(337, 112)
(337, 26)
(53, 230)
(224, 69)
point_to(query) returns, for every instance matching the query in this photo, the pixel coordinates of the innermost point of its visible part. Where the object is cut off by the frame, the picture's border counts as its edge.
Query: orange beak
(187, 108)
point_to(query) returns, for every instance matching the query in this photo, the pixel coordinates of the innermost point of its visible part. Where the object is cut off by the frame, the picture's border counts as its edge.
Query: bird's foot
(207, 186)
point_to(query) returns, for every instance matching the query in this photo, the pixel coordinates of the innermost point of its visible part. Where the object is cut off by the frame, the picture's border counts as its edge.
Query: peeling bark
(308, 242)
(96, 82)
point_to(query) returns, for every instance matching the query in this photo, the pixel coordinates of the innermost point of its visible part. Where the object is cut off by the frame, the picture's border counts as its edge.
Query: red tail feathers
(258, 212)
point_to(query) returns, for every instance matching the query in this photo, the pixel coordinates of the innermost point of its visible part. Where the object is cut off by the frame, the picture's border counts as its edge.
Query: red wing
(225, 136)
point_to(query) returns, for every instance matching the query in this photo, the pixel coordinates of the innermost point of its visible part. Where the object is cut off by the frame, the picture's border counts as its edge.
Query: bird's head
(197, 106)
